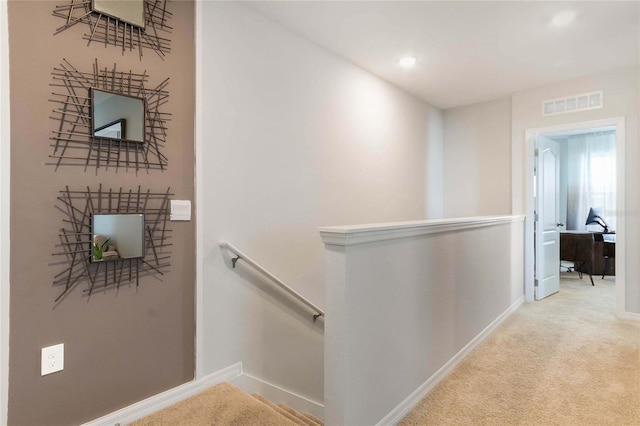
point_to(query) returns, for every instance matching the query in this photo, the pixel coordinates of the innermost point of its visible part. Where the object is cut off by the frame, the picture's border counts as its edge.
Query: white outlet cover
(52, 359)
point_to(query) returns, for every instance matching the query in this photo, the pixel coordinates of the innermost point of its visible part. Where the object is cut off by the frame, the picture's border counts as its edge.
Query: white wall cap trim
(361, 234)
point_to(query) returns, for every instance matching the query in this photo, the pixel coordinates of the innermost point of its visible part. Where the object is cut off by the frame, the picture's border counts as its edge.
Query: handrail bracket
(317, 312)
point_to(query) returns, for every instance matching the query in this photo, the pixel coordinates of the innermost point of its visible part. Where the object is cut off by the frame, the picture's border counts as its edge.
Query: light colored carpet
(223, 404)
(565, 360)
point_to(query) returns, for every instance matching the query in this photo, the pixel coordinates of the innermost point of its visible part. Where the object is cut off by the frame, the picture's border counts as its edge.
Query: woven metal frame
(76, 238)
(74, 142)
(113, 31)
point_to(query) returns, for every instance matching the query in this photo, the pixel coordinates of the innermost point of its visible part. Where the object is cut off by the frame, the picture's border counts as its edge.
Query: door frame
(619, 124)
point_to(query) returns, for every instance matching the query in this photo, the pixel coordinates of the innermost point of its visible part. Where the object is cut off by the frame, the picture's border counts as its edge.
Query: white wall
(434, 163)
(620, 100)
(404, 300)
(292, 138)
(477, 159)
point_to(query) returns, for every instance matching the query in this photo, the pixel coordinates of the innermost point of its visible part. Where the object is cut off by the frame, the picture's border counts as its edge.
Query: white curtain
(591, 179)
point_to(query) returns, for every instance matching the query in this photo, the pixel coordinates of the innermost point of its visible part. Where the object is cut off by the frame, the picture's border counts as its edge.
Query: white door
(547, 235)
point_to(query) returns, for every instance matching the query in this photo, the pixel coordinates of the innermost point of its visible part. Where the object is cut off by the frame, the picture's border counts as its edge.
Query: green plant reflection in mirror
(129, 11)
(117, 236)
(117, 116)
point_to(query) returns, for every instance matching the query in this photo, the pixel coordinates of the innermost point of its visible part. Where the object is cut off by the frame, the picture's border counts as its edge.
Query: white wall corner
(434, 197)
(335, 335)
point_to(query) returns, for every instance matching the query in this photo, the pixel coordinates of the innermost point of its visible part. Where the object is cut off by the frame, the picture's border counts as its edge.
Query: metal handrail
(240, 255)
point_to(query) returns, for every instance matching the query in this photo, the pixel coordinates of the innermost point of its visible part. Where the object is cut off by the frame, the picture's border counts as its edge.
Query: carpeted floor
(565, 360)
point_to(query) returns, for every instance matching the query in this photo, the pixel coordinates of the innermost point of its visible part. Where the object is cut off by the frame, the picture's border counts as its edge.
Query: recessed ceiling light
(407, 61)
(563, 18)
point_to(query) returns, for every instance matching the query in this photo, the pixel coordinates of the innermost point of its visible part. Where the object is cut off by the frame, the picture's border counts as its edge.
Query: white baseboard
(278, 395)
(232, 374)
(165, 399)
(407, 405)
(629, 316)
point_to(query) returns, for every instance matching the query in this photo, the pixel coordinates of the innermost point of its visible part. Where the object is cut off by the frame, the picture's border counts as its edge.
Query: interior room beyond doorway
(571, 128)
(587, 201)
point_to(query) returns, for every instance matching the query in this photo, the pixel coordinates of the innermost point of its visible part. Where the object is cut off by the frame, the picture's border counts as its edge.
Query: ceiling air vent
(575, 103)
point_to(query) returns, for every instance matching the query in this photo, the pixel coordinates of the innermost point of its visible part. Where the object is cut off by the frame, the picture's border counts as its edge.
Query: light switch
(180, 210)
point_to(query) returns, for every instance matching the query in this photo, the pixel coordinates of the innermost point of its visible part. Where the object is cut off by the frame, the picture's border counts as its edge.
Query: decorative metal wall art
(77, 140)
(78, 238)
(130, 24)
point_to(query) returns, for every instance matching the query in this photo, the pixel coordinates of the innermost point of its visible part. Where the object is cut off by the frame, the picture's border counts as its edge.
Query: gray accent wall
(121, 346)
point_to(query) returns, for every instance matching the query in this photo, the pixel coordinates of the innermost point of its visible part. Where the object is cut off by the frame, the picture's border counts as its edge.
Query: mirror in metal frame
(108, 118)
(132, 25)
(129, 11)
(122, 237)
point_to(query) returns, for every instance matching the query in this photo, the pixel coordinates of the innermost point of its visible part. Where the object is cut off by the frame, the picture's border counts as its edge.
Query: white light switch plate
(52, 359)
(180, 210)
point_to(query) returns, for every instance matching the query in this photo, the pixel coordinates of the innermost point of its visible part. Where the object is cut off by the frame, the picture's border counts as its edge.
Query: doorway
(616, 124)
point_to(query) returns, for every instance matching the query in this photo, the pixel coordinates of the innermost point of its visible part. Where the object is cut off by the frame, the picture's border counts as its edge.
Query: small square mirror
(117, 116)
(129, 11)
(117, 236)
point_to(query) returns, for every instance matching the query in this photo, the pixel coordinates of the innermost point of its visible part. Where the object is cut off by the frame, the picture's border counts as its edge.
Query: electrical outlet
(52, 359)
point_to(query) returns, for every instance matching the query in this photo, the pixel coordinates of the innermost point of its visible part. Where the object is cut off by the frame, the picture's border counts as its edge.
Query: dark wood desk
(609, 252)
(589, 251)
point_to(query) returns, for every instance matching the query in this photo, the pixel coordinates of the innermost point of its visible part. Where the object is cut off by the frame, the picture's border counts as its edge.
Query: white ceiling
(468, 51)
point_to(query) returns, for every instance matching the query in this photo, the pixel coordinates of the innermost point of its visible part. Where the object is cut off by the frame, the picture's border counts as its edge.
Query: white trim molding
(233, 374)
(412, 400)
(5, 177)
(165, 399)
(362, 234)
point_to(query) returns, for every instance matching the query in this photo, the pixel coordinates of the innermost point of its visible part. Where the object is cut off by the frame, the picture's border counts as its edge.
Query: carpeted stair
(288, 412)
(225, 404)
